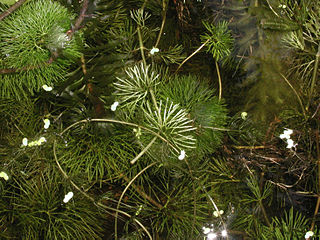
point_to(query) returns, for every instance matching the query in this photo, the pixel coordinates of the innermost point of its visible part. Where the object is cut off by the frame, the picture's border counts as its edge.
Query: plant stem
(124, 191)
(143, 151)
(299, 99)
(11, 9)
(184, 61)
(164, 16)
(141, 46)
(314, 76)
(264, 213)
(219, 79)
(143, 194)
(124, 123)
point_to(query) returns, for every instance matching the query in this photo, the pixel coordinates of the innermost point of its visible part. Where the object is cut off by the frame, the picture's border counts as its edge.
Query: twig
(80, 18)
(11, 9)
(184, 61)
(250, 147)
(164, 12)
(143, 194)
(143, 151)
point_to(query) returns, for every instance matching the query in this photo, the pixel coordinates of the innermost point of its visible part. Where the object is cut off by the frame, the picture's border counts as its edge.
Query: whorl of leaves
(29, 37)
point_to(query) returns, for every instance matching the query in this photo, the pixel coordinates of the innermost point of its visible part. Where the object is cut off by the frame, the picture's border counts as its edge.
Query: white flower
(154, 50)
(182, 155)
(46, 88)
(4, 176)
(46, 123)
(308, 234)
(25, 141)
(114, 106)
(286, 134)
(290, 143)
(211, 236)
(224, 233)
(244, 115)
(67, 197)
(217, 213)
(42, 140)
(206, 230)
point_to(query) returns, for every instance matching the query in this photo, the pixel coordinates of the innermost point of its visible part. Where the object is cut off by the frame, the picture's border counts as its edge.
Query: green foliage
(28, 38)
(134, 90)
(220, 39)
(207, 112)
(97, 156)
(9, 2)
(37, 208)
(293, 225)
(173, 124)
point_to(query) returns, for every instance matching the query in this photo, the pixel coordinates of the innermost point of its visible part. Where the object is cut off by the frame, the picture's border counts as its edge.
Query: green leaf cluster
(30, 39)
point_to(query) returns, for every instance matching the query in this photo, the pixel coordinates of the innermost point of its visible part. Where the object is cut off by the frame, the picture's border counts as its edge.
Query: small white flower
(25, 141)
(182, 155)
(114, 106)
(154, 50)
(286, 134)
(47, 88)
(42, 140)
(4, 176)
(290, 143)
(206, 230)
(244, 115)
(211, 236)
(217, 213)
(224, 233)
(67, 197)
(46, 123)
(308, 234)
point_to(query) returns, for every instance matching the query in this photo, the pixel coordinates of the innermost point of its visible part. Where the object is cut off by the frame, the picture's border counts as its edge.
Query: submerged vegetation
(159, 119)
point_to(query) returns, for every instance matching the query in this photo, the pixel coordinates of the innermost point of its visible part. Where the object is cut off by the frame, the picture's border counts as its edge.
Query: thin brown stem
(143, 194)
(11, 9)
(164, 16)
(184, 61)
